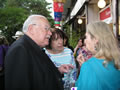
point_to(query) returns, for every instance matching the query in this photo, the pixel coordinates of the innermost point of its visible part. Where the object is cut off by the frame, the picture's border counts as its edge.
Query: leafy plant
(73, 35)
(14, 12)
(11, 21)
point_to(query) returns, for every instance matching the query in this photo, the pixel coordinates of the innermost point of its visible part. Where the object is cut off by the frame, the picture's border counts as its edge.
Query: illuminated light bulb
(101, 3)
(80, 21)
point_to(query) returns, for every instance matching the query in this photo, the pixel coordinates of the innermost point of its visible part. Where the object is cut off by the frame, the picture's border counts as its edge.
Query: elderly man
(27, 67)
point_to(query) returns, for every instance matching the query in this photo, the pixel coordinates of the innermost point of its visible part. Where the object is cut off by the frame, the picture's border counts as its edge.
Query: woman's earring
(95, 48)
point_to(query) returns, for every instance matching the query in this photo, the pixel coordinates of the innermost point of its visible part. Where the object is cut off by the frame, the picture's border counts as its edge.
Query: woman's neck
(54, 51)
(101, 57)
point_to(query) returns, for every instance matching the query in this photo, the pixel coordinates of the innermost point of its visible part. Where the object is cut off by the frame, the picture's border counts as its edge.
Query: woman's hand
(65, 68)
(80, 58)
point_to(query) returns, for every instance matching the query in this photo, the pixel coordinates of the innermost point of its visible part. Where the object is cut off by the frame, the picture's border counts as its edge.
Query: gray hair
(31, 20)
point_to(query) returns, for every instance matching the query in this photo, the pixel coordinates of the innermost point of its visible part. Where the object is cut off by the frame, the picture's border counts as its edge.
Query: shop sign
(105, 15)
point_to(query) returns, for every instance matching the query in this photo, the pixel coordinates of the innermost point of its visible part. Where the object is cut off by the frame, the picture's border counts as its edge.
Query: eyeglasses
(46, 28)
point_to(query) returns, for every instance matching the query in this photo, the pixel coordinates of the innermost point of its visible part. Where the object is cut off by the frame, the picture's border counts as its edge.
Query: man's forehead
(44, 22)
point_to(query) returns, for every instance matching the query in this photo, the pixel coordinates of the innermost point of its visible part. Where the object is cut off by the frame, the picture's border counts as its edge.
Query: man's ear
(31, 29)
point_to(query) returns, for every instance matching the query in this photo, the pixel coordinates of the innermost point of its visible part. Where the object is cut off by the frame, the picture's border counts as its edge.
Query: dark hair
(65, 37)
(56, 33)
(3, 40)
(82, 38)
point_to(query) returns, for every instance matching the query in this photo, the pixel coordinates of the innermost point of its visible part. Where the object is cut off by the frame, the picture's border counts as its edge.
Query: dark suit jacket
(27, 67)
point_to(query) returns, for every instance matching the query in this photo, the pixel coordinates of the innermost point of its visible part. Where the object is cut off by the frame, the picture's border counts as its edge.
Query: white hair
(31, 20)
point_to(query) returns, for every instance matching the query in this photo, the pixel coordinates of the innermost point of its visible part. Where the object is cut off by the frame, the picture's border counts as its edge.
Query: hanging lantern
(63, 1)
(58, 7)
(57, 14)
(57, 22)
(57, 19)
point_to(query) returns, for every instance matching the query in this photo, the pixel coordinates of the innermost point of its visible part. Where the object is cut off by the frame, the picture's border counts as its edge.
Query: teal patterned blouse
(65, 57)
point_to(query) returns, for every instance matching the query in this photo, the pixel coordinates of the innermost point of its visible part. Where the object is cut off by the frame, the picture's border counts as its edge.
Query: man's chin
(46, 44)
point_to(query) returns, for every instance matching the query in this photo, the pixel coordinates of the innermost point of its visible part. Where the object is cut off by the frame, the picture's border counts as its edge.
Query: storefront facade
(89, 11)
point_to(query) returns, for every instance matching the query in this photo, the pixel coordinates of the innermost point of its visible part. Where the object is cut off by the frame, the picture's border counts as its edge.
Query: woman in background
(102, 71)
(81, 50)
(4, 45)
(3, 50)
(79, 46)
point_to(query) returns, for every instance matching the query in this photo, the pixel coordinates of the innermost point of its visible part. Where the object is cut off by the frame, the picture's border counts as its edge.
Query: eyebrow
(47, 26)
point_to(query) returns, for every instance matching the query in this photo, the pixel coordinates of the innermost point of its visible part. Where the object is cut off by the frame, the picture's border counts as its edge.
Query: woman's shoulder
(67, 49)
(92, 61)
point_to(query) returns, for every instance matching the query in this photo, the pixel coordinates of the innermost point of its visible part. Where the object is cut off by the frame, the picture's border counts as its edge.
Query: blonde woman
(102, 71)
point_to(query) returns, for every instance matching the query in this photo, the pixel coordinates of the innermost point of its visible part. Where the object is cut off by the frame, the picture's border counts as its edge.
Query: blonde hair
(107, 45)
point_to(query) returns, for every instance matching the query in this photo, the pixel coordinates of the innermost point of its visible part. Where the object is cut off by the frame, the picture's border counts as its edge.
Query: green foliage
(74, 40)
(14, 12)
(11, 21)
(2, 3)
(73, 36)
(32, 6)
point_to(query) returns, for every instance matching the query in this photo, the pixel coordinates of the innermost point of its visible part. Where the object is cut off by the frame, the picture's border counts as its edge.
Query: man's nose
(50, 33)
(85, 41)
